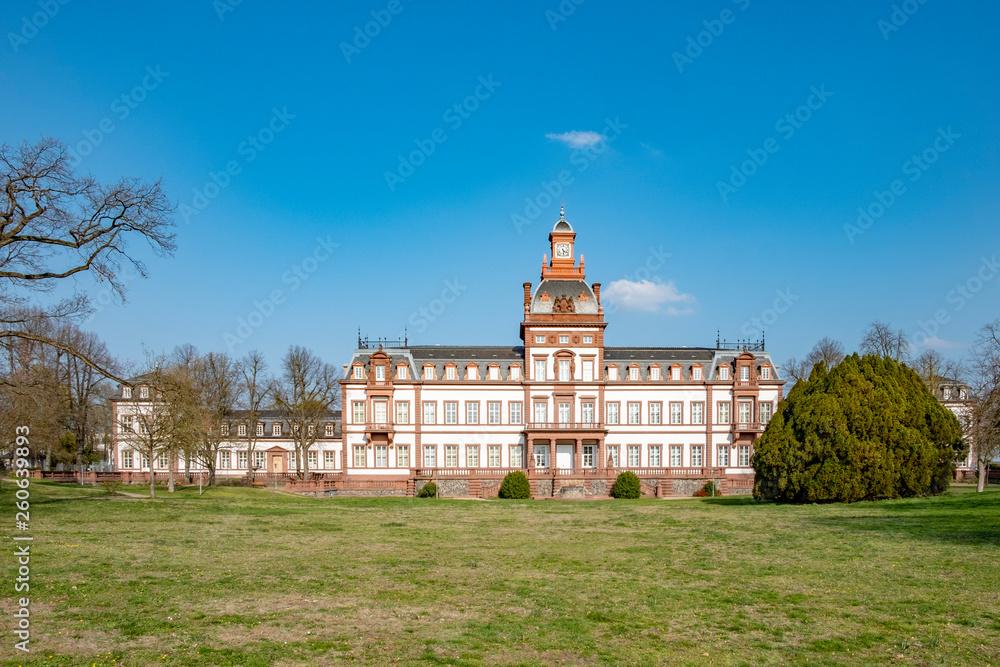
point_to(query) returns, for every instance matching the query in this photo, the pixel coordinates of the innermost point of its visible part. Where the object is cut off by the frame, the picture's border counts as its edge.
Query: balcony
(564, 426)
(749, 427)
(380, 427)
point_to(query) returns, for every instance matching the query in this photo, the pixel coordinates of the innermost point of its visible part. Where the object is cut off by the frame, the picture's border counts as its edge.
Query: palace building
(564, 408)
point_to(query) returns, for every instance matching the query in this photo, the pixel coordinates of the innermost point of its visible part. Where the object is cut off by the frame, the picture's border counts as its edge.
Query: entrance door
(564, 456)
(277, 463)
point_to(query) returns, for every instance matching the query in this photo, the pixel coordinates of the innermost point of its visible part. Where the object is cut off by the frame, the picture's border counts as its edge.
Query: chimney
(527, 296)
(597, 291)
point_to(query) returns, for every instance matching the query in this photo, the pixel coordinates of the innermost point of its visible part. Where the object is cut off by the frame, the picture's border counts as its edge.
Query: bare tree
(827, 351)
(254, 390)
(935, 370)
(306, 391)
(880, 339)
(985, 417)
(216, 384)
(57, 225)
(797, 370)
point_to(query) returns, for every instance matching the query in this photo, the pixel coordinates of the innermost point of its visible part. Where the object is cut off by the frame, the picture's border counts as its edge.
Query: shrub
(112, 487)
(710, 490)
(626, 486)
(515, 486)
(429, 490)
(864, 430)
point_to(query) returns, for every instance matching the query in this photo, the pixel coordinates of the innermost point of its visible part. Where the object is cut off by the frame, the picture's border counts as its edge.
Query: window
(225, 460)
(430, 410)
(539, 339)
(539, 369)
(291, 460)
(127, 424)
(328, 430)
(724, 373)
(588, 340)
(541, 413)
(541, 456)
(359, 412)
(744, 456)
(451, 456)
(515, 373)
(563, 340)
(744, 373)
(381, 456)
(449, 373)
(564, 370)
(329, 460)
(612, 409)
(587, 410)
(144, 427)
(428, 372)
(402, 412)
(472, 456)
(401, 373)
(430, 456)
(564, 413)
(515, 457)
(765, 373)
(358, 373)
(654, 373)
(311, 458)
(494, 373)
(380, 373)
(588, 370)
(654, 456)
(697, 413)
(127, 393)
(675, 374)
(723, 413)
(493, 412)
(260, 429)
(634, 412)
(765, 413)
(380, 410)
(143, 392)
(127, 455)
(145, 462)
(696, 373)
(451, 412)
(613, 373)
(471, 412)
(472, 372)
(588, 456)
(258, 460)
(613, 455)
(224, 429)
(676, 413)
(676, 456)
(295, 429)
(633, 456)
(276, 428)
(311, 430)
(241, 460)
(654, 413)
(723, 455)
(359, 456)
(633, 374)
(746, 412)
(494, 456)
(403, 456)
(515, 413)
(697, 459)
(161, 461)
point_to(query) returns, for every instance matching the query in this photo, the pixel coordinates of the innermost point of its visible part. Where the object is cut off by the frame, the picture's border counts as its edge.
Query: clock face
(562, 250)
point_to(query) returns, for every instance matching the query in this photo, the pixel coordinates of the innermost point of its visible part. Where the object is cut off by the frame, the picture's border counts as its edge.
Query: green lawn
(247, 577)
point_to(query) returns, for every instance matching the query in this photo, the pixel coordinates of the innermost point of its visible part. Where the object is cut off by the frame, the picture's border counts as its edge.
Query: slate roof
(557, 288)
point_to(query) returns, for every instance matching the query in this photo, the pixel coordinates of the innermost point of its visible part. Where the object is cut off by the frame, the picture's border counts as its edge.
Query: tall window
(696, 373)
(724, 373)
(515, 373)
(765, 373)
(381, 410)
(746, 411)
(724, 455)
(588, 370)
(473, 372)
(380, 373)
(564, 413)
(541, 413)
(654, 456)
(145, 462)
(311, 458)
(697, 413)
(633, 456)
(127, 393)
(471, 412)
(403, 456)
(449, 373)
(329, 459)
(430, 412)
(675, 374)
(127, 424)
(241, 460)
(291, 460)
(654, 413)
(613, 373)
(143, 392)
(451, 456)
(494, 456)
(723, 413)
(588, 412)
(428, 372)
(472, 456)
(259, 431)
(676, 456)
(451, 412)
(612, 409)
(493, 412)
(633, 374)
(161, 461)
(588, 456)
(697, 459)
(515, 412)
(358, 373)
(676, 413)
(634, 412)
(127, 457)
(564, 370)
(258, 460)
(613, 455)
(515, 457)
(744, 456)
(224, 428)
(402, 412)
(401, 373)
(430, 456)
(381, 456)
(541, 456)
(359, 412)
(654, 373)
(359, 456)
(765, 412)
(494, 373)
(745, 373)
(540, 369)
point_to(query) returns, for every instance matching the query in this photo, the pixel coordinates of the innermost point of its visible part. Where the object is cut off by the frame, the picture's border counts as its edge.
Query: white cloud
(649, 296)
(576, 139)
(940, 344)
(655, 152)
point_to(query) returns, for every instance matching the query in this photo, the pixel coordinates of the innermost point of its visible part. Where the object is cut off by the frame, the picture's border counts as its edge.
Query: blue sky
(676, 95)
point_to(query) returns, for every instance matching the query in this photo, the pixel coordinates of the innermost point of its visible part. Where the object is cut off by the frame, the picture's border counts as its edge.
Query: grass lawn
(247, 577)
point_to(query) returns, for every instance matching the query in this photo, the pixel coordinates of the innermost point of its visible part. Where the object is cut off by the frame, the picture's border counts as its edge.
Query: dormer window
(329, 430)
(401, 373)
(494, 373)
(613, 373)
(260, 429)
(449, 373)
(380, 373)
(696, 373)
(224, 429)
(765, 373)
(428, 372)
(472, 372)
(515, 373)
(654, 373)
(724, 373)
(241, 430)
(947, 393)
(675, 374)
(143, 392)
(633, 374)
(744, 373)
(126, 392)
(276, 429)
(358, 373)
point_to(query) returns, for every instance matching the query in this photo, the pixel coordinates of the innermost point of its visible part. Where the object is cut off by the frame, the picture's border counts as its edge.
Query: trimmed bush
(710, 490)
(626, 486)
(429, 490)
(515, 486)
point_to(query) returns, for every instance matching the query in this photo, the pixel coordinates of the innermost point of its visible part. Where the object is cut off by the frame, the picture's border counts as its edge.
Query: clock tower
(563, 264)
